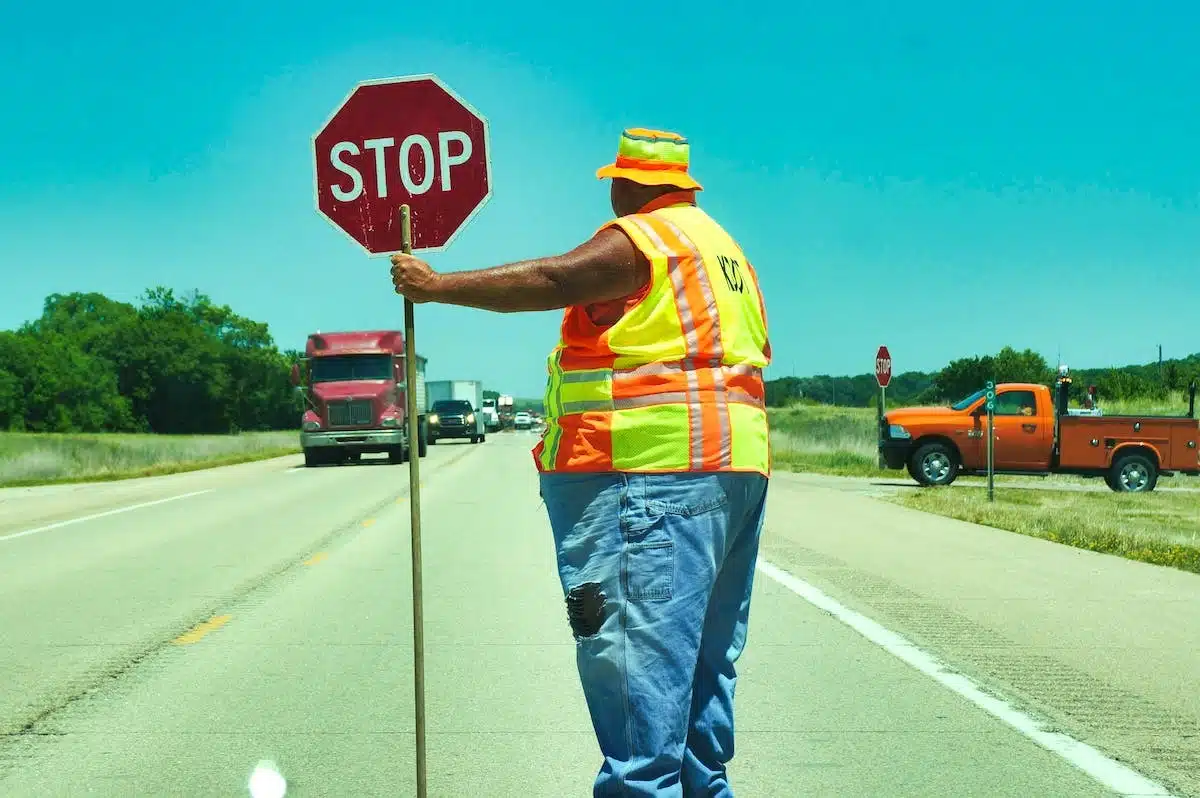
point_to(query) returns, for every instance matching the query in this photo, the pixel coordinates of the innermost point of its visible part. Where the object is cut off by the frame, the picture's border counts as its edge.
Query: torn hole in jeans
(585, 609)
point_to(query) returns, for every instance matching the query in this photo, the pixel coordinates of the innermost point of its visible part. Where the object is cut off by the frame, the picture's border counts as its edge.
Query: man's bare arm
(606, 267)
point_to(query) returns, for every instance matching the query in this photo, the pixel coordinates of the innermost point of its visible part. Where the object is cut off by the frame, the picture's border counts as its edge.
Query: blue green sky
(943, 180)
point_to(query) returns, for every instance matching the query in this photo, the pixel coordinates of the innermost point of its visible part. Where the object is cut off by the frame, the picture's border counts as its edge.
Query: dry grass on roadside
(827, 440)
(34, 459)
(1158, 528)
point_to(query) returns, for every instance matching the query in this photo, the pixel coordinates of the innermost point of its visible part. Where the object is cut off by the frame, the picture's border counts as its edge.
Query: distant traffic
(355, 400)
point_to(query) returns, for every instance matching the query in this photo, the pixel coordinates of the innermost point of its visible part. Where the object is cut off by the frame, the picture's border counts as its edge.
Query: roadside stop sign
(883, 367)
(394, 141)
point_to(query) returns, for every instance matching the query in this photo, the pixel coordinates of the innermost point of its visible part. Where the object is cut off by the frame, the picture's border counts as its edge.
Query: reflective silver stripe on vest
(587, 406)
(593, 375)
(723, 422)
(679, 398)
(663, 369)
(688, 323)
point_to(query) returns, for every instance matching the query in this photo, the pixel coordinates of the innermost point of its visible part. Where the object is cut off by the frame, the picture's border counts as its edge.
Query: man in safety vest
(654, 462)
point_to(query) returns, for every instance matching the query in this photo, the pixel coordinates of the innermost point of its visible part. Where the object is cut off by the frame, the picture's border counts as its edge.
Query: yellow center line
(369, 522)
(197, 633)
(320, 556)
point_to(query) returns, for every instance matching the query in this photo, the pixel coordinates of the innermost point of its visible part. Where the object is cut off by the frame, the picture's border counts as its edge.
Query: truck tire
(1133, 473)
(934, 464)
(422, 446)
(312, 458)
(396, 455)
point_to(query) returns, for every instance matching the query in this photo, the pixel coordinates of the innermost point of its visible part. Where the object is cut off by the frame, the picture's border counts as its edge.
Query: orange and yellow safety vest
(675, 383)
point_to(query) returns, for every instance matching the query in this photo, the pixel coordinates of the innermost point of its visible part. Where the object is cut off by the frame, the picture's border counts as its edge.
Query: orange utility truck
(1034, 433)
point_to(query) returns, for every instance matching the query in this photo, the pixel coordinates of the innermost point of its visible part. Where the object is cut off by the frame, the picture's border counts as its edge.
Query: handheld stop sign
(402, 165)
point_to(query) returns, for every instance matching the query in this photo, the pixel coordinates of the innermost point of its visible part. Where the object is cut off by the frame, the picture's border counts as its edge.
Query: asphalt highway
(163, 636)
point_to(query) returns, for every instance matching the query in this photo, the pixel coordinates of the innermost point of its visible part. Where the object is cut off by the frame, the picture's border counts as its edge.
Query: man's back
(675, 383)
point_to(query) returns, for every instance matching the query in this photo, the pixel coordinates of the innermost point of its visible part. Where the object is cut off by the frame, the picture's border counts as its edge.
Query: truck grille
(355, 413)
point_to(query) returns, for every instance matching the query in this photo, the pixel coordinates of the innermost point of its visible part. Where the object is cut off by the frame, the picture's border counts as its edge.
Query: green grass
(38, 459)
(1157, 528)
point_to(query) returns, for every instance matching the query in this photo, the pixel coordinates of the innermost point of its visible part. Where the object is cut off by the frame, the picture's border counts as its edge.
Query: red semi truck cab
(354, 385)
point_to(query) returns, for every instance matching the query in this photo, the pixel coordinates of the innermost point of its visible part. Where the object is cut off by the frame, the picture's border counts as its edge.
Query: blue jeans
(657, 571)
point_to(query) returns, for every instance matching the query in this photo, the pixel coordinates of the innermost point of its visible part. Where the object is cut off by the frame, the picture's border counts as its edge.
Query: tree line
(169, 364)
(964, 376)
(166, 364)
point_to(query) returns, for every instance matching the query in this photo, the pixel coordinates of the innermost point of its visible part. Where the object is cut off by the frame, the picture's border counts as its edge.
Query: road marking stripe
(369, 522)
(201, 630)
(105, 514)
(1110, 773)
(320, 556)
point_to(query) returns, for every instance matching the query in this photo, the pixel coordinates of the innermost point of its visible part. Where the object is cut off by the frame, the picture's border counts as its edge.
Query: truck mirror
(295, 374)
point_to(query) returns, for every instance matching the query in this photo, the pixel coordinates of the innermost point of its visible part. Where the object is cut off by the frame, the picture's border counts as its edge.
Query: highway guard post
(991, 439)
(403, 164)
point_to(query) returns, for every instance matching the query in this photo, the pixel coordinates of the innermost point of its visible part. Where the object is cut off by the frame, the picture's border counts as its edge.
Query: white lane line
(81, 519)
(1110, 773)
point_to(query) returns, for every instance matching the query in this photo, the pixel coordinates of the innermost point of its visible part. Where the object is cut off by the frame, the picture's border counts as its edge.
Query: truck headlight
(312, 426)
(390, 421)
(897, 431)
(433, 419)
(470, 418)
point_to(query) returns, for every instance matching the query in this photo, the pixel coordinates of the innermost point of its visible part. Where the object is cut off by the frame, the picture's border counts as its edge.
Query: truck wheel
(422, 447)
(483, 437)
(1133, 473)
(934, 464)
(396, 455)
(312, 458)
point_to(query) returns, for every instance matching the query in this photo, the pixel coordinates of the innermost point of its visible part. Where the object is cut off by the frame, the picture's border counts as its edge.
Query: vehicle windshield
(452, 406)
(343, 368)
(970, 400)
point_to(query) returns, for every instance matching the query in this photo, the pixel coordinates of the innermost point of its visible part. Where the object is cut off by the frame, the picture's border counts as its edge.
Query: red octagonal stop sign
(402, 140)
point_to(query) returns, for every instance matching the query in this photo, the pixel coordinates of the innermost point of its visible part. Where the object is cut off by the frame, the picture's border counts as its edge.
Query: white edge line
(81, 519)
(1108, 772)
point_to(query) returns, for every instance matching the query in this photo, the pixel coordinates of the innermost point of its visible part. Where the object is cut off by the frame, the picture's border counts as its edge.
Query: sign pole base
(991, 458)
(414, 503)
